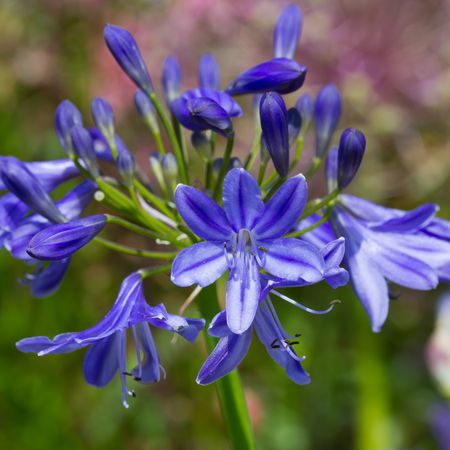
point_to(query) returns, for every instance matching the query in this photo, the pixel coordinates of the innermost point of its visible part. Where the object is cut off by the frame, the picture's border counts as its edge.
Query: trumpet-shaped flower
(243, 237)
(107, 340)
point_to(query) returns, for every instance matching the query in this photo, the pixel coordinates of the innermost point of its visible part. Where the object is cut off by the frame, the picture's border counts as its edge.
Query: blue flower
(67, 116)
(107, 340)
(282, 75)
(208, 72)
(126, 52)
(103, 116)
(305, 106)
(409, 248)
(287, 32)
(171, 78)
(206, 109)
(244, 236)
(232, 348)
(274, 126)
(350, 154)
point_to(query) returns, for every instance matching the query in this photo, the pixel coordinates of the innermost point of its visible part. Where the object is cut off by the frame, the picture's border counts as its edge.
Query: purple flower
(126, 52)
(305, 106)
(67, 116)
(84, 147)
(126, 165)
(282, 75)
(327, 113)
(244, 236)
(206, 109)
(274, 126)
(294, 125)
(232, 348)
(287, 32)
(350, 154)
(107, 339)
(62, 240)
(208, 72)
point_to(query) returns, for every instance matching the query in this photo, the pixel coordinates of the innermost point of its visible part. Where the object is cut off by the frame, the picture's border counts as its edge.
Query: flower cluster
(263, 232)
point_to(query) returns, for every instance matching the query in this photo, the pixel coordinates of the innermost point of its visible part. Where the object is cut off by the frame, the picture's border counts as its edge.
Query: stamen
(138, 353)
(305, 308)
(122, 336)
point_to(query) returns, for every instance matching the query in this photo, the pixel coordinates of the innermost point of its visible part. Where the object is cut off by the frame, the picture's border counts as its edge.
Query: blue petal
(368, 211)
(151, 370)
(439, 228)
(409, 221)
(101, 361)
(226, 356)
(242, 199)
(171, 78)
(283, 210)
(201, 264)
(202, 214)
(61, 240)
(17, 241)
(12, 211)
(268, 333)
(218, 326)
(333, 254)
(293, 259)
(287, 32)
(208, 72)
(73, 204)
(243, 291)
(42, 344)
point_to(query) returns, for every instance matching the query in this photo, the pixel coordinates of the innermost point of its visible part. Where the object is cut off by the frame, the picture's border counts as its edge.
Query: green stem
(313, 168)
(149, 271)
(173, 139)
(130, 226)
(251, 158)
(322, 220)
(153, 199)
(134, 251)
(159, 142)
(229, 388)
(316, 205)
(298, 153)
(224, 168)
(262, 171)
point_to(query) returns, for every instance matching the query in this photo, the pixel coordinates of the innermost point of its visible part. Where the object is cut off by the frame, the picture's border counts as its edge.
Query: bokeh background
(391, 61)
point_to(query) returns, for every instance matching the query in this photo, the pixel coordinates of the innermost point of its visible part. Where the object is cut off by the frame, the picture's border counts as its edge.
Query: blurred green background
(368, 392)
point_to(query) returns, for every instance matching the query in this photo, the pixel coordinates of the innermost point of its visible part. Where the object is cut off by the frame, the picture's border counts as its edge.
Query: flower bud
(282, 75)
(327, 113)
(84, 147)
(351, 151)
(126, 52)
(27, 188)
(126, 166)
(170, 169)
(235, 163)
(171, 79)
(202, 144)
(104, 118)
(155, 160)
(60, 241)
(294, 125)
(287, 32)
(208, 72)
(305, 106)
(274, 126)
(66, 117)
(146, 110)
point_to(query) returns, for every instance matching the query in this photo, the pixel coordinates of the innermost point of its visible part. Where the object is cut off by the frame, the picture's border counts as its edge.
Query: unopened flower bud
(351, 151)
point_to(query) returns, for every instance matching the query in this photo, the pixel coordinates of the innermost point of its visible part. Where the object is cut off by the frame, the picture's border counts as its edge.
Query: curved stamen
(305, 308)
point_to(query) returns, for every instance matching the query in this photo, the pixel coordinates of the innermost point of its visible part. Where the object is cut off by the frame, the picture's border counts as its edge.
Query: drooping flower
(282, 75)
(206, 109)
(232, 348)
(107, 340)
(244, 236)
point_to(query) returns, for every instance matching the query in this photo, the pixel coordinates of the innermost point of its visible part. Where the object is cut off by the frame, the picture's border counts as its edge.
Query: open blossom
(243, 237)
(107, 340)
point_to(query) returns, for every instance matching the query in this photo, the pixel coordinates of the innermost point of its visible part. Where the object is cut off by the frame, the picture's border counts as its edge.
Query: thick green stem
(173, 139)
(229, 389)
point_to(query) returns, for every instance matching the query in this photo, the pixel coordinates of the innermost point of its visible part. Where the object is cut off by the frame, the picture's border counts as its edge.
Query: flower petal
(202, 214)
(319, 236)
(283, 210)
(266, 330)
(242, 199)
(151, 370)
(226, 356)
(101, 361)
(242, 297)
(202, 264)
(292, 259)
(218, 326)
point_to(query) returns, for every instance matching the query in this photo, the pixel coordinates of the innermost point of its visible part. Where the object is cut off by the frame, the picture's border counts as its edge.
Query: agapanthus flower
(282, 75)
(287, 32)
(107, 340)
(305, 106)
(67, 116)
(232, 348)
(208, 72)
(171, 78)
(243, 237)
(206, 109)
